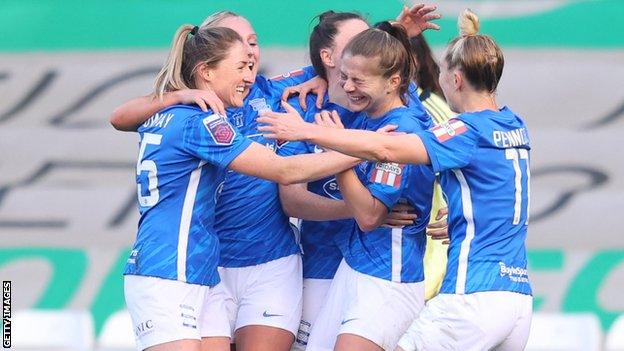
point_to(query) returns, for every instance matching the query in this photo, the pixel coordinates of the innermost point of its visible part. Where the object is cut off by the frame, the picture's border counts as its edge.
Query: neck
(473, 101)
(385, 106)
(336, 93)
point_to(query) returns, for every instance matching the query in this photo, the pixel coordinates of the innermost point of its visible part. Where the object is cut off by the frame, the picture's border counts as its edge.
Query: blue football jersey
(321, 256)
(483, 160)
(183, 157)
(250, 222)
(394, 254)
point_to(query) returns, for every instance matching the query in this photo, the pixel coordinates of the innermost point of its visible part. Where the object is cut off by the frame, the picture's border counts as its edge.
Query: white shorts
(373, 308)
(165, 310)
(314, 296)
(268, 294)
(499, 320)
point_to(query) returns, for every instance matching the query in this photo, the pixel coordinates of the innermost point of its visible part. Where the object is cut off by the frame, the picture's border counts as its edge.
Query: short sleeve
(385, 181)
(450, 145)
(212, 138)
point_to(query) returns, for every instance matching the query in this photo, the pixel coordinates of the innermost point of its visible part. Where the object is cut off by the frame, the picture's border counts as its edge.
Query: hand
(389, 130)
(288, 126)
(439, 230)
(329, 119)
(316, 85)
(202, 98)
(417, 19)
(400, 216)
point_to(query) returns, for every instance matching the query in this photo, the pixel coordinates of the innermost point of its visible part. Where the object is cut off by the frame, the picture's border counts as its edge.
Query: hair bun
(468, 23)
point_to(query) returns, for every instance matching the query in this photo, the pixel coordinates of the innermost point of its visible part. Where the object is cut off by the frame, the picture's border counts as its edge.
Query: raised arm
(258, 161)
(379, 146)
(129, 116)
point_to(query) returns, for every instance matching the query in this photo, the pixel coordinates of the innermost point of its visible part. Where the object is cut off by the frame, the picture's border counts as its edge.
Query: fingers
(289, 108)
(387, 129)
(437, 225)
(202, 105)
(402, 208)
(302, 99)
(288, 92)
(319, 98)
(441, 213)
(337, 120)
(418, 7)
(403, 13)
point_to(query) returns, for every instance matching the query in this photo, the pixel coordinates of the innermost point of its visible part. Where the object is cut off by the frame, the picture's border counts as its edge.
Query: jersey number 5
(148, 166)
(515, 155)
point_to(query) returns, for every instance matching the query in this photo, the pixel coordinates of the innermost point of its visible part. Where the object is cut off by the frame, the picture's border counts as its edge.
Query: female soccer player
(319, 203)
(483, 158)
(172, 269)
(260, 266)
(377, 290)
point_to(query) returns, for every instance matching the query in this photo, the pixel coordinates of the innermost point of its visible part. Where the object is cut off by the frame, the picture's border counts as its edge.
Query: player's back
(488, 204)
(183, 154)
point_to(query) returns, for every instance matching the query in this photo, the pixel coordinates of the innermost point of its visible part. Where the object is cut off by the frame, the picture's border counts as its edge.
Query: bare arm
(368, 212)
(298, 202)
(378, 146)
(258, 161)
(129, 116)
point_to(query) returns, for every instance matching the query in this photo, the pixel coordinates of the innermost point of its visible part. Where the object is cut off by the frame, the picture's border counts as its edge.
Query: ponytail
(192, 47)
(390, 43)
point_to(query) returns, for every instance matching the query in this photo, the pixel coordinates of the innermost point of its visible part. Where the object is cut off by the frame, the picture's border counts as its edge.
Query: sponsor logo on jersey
(516, 274)
(331, 189)
(387, 173)
(266, 314)
(449, 129)
(219, 129)
(294, 73)
(143, 328)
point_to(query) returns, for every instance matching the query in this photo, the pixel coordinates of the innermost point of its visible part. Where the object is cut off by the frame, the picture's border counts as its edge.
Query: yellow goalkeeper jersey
(435, 253)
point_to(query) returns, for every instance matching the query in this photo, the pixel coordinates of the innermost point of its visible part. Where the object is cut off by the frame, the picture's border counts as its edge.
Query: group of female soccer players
(223, 163)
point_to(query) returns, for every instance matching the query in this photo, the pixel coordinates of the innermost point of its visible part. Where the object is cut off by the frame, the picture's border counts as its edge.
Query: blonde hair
(214, 19)
(476, 55)
(207, 46)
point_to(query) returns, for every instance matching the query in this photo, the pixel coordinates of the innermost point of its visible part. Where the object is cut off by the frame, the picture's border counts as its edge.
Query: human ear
(326, 58)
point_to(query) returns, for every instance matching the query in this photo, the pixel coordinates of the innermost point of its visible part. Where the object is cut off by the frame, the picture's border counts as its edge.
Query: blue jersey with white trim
(250, 222)
(394, 254)
(321, 256)
(183, 157)
(483, 160)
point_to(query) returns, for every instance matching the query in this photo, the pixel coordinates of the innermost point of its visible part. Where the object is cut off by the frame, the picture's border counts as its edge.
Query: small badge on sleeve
(387, 174)
(219, 129)
(294, 73)
(449, 129)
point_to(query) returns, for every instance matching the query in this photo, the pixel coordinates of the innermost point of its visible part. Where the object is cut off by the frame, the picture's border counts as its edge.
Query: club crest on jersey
(238, 119)
(259, 105)
(294, 73)
(387, 173)
(219, 129)
(449, 129)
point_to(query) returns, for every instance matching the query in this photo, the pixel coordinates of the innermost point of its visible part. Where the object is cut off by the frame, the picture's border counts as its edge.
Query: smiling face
(229, 78)
(241, 26)
(366, 88)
